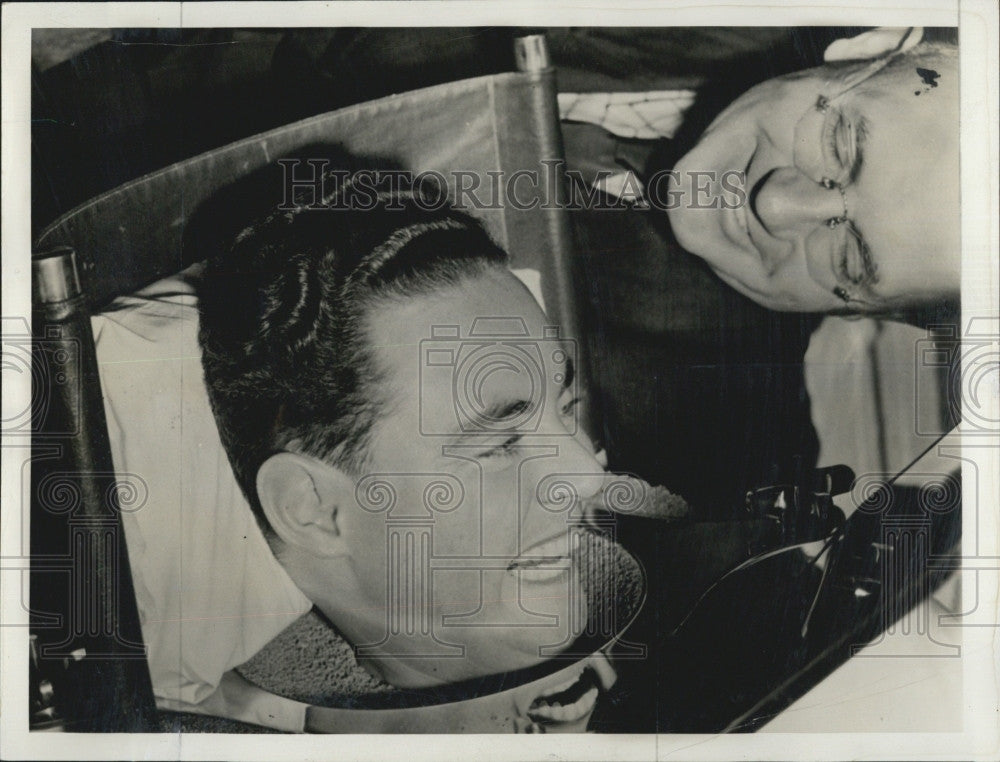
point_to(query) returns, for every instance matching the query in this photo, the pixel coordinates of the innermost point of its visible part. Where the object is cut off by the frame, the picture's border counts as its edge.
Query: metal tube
(559, 283)
(531, 53)
(75, 520)
(55, 276)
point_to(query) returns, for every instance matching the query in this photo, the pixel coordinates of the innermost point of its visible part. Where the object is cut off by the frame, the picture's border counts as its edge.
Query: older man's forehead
(790, 90)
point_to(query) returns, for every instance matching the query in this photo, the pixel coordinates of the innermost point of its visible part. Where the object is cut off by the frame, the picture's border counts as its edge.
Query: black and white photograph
(431, 372)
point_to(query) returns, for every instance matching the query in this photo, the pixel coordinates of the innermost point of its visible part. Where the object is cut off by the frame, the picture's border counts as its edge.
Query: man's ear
(303, 499)
(874, 43)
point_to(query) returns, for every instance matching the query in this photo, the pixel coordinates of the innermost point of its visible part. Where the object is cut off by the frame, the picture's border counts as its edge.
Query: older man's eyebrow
(860, 139)
(868, 262)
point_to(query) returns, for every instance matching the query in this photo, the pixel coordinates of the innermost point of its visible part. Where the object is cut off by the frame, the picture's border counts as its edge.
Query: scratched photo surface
(497, 380)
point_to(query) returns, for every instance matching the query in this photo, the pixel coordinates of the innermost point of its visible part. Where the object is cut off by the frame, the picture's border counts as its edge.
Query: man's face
(456, 539)
(890, 142)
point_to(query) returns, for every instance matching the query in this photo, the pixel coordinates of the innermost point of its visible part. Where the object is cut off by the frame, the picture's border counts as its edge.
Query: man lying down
(378, 451)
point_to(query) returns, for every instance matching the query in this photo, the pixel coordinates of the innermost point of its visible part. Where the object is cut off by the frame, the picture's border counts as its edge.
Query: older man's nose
(788, 203)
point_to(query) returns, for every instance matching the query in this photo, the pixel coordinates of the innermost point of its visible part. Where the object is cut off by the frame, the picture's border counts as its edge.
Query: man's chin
(600, 588)
(491, 649)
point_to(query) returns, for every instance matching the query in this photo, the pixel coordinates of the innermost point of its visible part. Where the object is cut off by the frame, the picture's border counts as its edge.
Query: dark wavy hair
(283, 311)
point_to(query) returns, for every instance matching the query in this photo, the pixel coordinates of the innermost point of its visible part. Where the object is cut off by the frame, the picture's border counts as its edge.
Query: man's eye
(567, 408)
(840, 147)
(501, 450)
(831, 148)
(856, 266)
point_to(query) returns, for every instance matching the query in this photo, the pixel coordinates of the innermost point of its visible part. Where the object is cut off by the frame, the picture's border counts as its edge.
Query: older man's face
(461, 536)
(891, 144)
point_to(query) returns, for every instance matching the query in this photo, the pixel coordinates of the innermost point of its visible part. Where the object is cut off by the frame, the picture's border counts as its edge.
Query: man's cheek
(456, 592)
(369, 556)
(457, 534)
(500, 500)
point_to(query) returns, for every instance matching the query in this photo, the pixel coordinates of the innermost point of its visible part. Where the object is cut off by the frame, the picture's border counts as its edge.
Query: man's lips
(741, 217)
(743, 211)
(737, 227)
(735, 223)
(546, 560)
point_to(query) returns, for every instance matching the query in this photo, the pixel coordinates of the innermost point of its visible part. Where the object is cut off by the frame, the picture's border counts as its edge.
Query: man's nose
(789, 203)
(590, 473)
(577, 456)
(576, 472)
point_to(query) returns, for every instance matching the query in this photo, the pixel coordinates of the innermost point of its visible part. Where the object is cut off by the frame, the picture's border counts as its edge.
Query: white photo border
(977, 22)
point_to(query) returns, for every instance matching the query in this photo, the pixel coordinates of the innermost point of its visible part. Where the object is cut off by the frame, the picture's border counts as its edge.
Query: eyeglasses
(827, 148)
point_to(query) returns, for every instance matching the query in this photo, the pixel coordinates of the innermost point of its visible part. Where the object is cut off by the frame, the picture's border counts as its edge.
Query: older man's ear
(303, 499)
(873, 43)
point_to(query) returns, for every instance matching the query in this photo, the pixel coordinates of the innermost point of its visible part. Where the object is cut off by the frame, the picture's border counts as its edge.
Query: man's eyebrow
(500, 410)
(861, 136)
(867, 258)
(489, 420)
(569, 373)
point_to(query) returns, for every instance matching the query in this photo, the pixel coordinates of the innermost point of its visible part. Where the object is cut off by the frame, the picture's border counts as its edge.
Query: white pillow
(210, 592)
